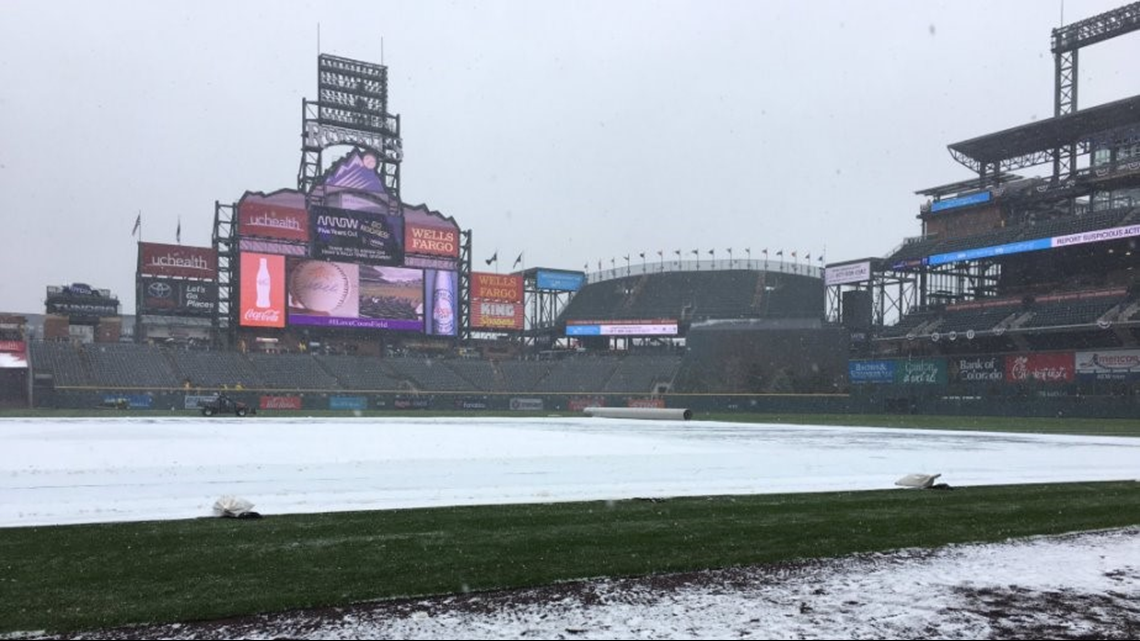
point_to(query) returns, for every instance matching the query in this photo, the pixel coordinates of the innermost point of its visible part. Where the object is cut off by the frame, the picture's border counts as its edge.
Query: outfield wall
(872, 400)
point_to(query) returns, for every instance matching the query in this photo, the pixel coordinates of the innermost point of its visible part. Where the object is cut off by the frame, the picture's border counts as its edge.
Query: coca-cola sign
(156, 259)
(262, 290)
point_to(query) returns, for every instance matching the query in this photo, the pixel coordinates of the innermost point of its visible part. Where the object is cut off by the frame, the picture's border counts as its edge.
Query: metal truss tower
(351, 109)
(225, 242)
(1067, 43)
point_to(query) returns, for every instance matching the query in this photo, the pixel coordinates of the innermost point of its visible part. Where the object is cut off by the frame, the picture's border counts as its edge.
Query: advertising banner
(430, 241)
(471, 404)
(843, 274)
(13, 355)
(1045, 368)
(262, 290)
(66, 305)
(196, 401)
(1096, 236)
(178, 297)
(281, 216)
(431, 262)
(132, 401)
(646, 402)
(960, 201)
(561, 281)
(441, 302)
(579, 403)
(977, 369)
(504, 288)
(326, 294)
(348, 403)
(491, 315)
(156, 259)
(357, 236)
(280, 403)
(1109, 365)
(413, 403)
(664, 327)
(871, 371)
(924, 371)
(429, 233)
(526, 404)
(260, 246)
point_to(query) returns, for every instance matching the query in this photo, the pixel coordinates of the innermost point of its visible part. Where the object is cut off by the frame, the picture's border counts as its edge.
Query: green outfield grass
(87, 576)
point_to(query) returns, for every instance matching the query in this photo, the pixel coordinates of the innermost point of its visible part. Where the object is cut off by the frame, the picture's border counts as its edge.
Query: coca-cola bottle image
(443, 308)
(263, 284)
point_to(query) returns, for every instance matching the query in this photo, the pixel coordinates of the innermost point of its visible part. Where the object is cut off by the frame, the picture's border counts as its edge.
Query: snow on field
(123, 469)
(1077, 586)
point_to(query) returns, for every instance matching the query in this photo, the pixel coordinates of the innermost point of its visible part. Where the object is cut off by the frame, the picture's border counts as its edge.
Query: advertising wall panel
(348, 403)
(977, 369)
(262, 290)
(156, 259)
(492, 315)
(526, 404)
(657, 403)
(505, 288)
(923, 371)
(357, 236)
(871, 371)
(1109, 365)
(280, 402)
(1045, 368)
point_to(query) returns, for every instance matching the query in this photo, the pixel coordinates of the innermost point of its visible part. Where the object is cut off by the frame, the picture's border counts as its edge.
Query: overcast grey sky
(572, 132)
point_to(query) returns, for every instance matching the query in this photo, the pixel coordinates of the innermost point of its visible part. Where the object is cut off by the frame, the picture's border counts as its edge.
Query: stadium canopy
(968, 185)
(1032, 144)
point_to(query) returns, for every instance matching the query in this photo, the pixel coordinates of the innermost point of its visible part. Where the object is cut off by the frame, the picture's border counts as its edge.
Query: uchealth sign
(504, 288)
(156, 259)
(262, 290)
(274, 217)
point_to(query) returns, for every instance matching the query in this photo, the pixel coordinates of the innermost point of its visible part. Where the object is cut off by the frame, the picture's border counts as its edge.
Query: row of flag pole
(495, 259)
(136, 231)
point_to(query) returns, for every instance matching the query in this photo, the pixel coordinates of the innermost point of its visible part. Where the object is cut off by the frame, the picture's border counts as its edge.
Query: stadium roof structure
(970, 184)
(1033, 144)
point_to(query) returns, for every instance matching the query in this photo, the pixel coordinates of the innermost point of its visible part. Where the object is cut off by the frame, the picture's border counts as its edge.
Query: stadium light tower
(1067, 43)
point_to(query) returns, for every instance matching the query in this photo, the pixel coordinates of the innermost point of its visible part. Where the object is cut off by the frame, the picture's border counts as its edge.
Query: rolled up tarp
(648, 413)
